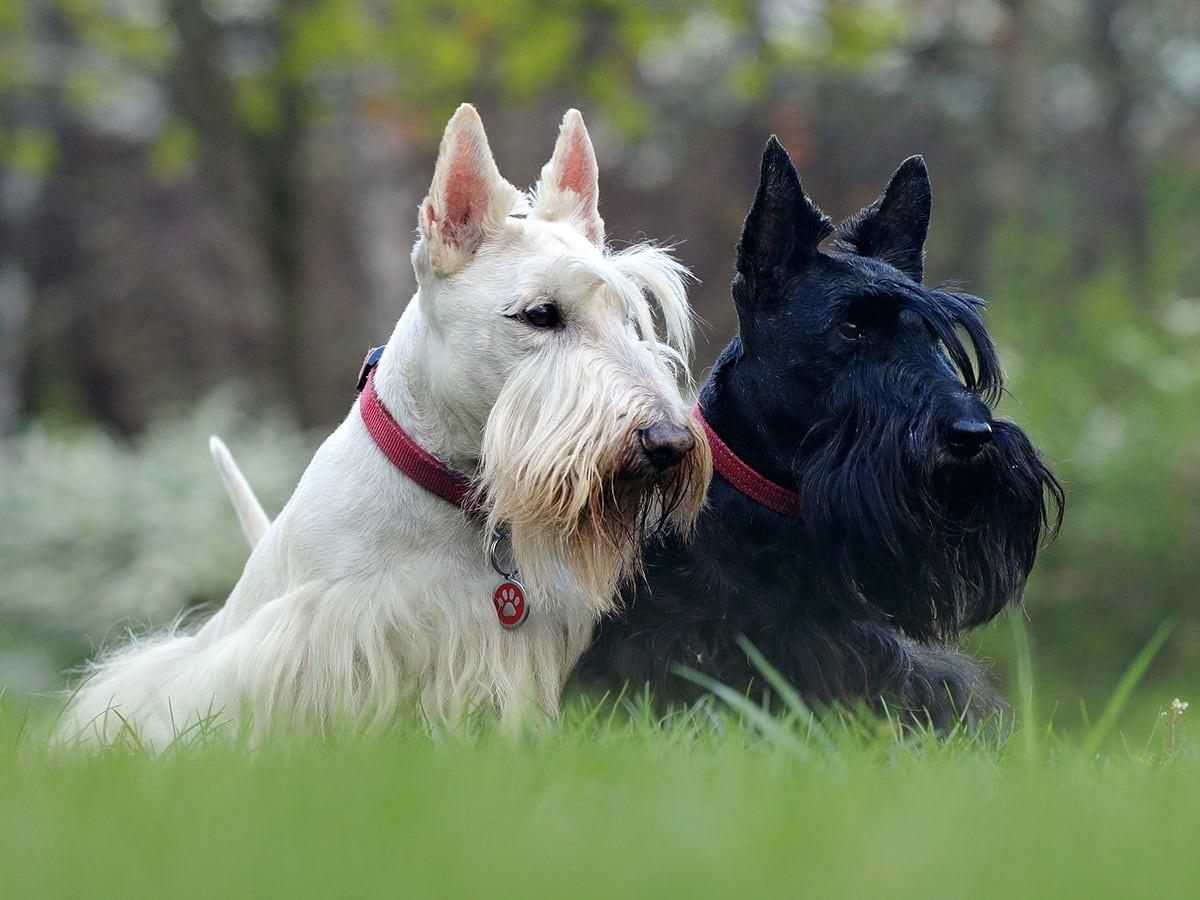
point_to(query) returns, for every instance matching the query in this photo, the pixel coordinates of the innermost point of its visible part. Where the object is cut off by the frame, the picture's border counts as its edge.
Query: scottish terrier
(868, 507)
(524, 416)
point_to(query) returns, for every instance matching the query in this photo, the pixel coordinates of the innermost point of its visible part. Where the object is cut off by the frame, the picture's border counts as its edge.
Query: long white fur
(368, 594)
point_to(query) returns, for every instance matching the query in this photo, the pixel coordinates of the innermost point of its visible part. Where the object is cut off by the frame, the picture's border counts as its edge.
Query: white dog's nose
(666, 444)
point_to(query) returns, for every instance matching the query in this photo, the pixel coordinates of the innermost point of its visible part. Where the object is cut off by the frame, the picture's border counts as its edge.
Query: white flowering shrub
(98, 535)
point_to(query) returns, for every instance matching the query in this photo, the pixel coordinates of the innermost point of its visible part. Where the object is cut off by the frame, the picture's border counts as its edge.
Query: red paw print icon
(509, 601)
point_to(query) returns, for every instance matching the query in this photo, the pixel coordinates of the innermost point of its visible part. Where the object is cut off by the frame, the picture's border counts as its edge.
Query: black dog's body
(851, 385)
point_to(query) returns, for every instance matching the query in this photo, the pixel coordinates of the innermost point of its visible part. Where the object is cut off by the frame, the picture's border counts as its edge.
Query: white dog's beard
(562, 477)
(599, 549)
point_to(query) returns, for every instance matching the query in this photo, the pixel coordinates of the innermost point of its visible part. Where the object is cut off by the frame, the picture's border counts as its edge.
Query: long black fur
(902, 544)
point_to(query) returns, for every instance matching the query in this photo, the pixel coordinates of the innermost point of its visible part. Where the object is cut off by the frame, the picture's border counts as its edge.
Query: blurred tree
(196, 191)
(257, 132)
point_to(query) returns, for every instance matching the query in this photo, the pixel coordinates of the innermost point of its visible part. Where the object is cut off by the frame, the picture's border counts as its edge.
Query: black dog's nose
(666, 444)
(968, 436)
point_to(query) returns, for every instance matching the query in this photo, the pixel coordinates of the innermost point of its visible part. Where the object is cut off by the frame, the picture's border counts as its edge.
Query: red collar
(761, 490)
(406, 454)
(436, 477)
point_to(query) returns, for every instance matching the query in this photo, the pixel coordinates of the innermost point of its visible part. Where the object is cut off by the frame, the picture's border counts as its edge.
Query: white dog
(528, 362)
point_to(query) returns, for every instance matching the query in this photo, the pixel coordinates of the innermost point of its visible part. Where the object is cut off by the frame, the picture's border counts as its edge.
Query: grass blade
(788, 694)
(1024, 658)
(770, 726)
(1094, 739)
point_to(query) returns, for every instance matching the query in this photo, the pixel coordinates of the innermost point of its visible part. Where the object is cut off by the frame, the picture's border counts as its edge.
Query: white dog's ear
(468, 199)
(569, 189)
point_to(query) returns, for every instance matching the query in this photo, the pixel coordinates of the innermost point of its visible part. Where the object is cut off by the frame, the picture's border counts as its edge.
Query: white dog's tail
(249, 511)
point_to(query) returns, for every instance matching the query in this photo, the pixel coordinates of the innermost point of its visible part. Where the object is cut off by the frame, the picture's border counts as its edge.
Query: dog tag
(509, 597)
(509, 600)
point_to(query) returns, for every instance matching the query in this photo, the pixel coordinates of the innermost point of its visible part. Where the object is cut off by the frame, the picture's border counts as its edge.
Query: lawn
(720, 800)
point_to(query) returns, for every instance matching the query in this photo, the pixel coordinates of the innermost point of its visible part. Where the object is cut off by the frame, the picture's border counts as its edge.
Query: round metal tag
(509, 601)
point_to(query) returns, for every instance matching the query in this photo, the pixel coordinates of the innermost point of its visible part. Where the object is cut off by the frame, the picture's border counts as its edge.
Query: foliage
(418, 55)
(101, 535)
(1105, 373)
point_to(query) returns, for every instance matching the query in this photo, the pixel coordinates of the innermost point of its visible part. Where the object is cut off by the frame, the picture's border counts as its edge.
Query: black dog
(868, 508)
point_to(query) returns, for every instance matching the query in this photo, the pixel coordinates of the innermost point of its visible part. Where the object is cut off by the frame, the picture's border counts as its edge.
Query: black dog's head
(872, 396)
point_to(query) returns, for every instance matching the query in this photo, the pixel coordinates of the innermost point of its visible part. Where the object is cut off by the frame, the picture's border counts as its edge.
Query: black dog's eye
(850, 330)
(544, 315)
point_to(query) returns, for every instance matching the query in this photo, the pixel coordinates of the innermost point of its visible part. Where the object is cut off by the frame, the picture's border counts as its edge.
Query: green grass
(716, 801)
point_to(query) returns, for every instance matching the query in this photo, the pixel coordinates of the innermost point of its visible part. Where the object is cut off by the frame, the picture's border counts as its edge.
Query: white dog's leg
(271, 667)
(319, 656)
(125, 695)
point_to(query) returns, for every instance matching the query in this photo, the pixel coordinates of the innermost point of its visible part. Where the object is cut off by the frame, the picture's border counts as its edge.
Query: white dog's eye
(544, 315)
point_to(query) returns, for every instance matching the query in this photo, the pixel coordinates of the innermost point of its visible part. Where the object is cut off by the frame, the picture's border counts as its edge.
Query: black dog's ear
(783, 226)
(893, 228)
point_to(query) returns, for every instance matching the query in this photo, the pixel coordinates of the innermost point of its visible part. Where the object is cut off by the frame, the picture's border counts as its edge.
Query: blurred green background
(206, 208)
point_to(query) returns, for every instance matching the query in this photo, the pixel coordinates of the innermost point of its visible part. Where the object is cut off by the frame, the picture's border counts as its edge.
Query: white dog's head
(542, 354)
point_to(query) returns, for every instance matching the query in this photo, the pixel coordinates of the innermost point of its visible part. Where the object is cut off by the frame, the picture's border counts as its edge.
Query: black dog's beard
(898, 528)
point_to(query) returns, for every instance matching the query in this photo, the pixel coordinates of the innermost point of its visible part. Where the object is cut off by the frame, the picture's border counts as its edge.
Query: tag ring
(494, 555)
